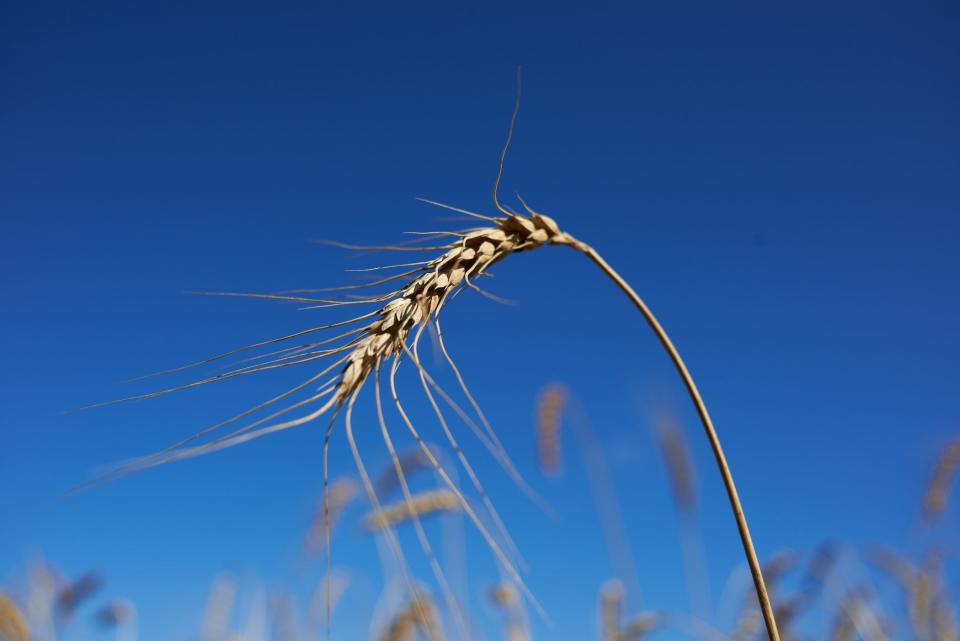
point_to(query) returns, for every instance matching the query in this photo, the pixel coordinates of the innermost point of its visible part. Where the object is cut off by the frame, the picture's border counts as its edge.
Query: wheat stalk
(392, 333)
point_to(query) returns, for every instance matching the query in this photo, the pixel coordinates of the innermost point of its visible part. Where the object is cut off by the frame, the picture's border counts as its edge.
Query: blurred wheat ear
(420, 615)
(938, 489)
(391, 335)
(550, 406)
(13, 625)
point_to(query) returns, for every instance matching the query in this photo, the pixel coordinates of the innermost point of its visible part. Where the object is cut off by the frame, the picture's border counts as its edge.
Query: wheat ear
(676, 457)
(550, 406)
(13, 625)
(935, 498)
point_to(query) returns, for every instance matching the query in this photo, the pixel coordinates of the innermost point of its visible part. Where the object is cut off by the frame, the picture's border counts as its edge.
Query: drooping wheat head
(371, 346)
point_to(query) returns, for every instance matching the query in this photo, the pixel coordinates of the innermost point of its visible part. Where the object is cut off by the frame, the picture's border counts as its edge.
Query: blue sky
(780, 182)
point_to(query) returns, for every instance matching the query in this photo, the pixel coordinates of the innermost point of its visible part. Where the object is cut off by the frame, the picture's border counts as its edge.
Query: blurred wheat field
(397, 407)
(836, 591)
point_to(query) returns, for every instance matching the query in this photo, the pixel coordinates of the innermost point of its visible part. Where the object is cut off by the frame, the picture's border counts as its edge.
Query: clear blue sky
(781, 183)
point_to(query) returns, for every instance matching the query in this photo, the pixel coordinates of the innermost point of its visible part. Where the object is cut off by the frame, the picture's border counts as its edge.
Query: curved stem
(751, 554)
